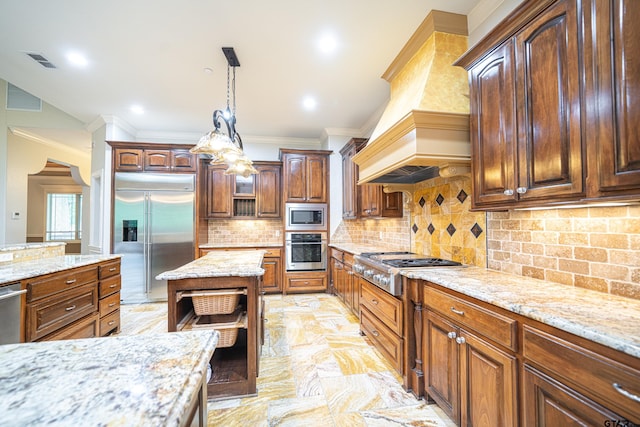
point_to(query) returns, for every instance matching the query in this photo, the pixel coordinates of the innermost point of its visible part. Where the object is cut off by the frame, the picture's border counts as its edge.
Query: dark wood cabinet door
(488, 384)
(549, 403)
(271, 282)
(316, 184)
(295, 178)
(548, 109)
(614, 145)
(183, 161)
(391, 204)
(370, 200)
(128, 160)
(349, 183)
(157, 160)
(268, 192)
(493, 128)
(218, 193)
(441, 352)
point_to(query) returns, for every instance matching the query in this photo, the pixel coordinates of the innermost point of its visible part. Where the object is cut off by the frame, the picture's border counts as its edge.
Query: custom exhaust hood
(424, 130)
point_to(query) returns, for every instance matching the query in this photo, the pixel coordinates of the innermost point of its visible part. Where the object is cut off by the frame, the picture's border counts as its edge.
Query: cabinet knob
(375, 333)
(521, 190)
(460, 340)
(508, 192)
(451, 335)
(374, 301)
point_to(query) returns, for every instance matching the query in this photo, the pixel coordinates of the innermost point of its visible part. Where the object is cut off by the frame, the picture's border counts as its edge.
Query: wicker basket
(226, 325)
(214, 302)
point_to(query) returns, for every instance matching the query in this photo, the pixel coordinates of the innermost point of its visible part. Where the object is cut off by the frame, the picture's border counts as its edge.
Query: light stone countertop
(239, 245)
(141, 380)
(609, 320)
(25, 269)
(219, 264)
(22, 246)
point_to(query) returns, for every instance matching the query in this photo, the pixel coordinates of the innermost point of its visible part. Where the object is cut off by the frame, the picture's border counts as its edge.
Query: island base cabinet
(548, 403)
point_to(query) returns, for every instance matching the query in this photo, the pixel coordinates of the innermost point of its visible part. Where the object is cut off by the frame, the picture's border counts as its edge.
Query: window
(64, 216)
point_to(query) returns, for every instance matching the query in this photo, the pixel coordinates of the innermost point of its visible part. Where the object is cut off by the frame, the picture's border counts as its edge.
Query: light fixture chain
(234, 91)
(228, 89)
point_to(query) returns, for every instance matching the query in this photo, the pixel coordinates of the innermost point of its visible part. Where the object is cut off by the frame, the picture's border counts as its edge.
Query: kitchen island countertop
(25, 269)
(607, 319)
(136, 380)
(219, 264)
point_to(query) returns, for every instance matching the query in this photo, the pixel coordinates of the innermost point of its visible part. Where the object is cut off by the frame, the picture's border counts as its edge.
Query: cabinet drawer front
(109, 304)
(57, 312)
(384, 306)
(384, 338)
(110, 285)
(494, 326)
(87, 327)
(337, 254)
(40, 287)
(312, 283)
(347, 258)
(109, 269)
(592, 374)
(110, 323)
(273, 252)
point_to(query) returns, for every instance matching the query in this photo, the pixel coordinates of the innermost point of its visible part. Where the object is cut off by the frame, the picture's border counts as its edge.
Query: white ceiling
(154, 52)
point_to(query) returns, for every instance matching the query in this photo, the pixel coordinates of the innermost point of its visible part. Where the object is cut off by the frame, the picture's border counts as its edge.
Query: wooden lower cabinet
(87, 327)
(305, 281)
(344, 282)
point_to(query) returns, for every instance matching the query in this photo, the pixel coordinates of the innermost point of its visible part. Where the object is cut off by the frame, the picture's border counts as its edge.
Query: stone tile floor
(315, 370)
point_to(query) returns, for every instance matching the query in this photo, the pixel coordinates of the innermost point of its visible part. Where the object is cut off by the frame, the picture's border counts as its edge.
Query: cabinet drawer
(84, 328)
(383, 338)
(109, 269)
(110, 323)
(492, 325)
(383, 305)
(54, 313)
(347, 258)
(337, 254)
(110, 285)
(273, 252)
(109, 304)
(592, 374)
(306, 284)
(44, 286)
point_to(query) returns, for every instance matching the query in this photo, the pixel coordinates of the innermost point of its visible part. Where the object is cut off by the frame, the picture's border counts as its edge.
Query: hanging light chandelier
(226, 148)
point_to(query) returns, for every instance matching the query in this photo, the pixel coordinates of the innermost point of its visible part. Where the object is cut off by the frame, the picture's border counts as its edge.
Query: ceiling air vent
(41, 60)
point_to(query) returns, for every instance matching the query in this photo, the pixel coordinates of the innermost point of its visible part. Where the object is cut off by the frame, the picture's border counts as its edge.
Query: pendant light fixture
(226, 148)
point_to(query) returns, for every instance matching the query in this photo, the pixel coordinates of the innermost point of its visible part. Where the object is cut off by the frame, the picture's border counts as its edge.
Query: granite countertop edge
(18, 271)
(239, 246)
(219, 264)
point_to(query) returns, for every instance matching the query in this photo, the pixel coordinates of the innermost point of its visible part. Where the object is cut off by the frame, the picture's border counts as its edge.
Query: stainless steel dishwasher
(10, 313)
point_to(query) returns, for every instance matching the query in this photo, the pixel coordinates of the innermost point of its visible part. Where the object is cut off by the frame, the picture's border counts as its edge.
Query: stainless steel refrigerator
(153, 229)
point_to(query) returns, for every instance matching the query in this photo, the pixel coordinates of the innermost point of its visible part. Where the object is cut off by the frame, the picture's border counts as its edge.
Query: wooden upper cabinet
(350, 178)
(128, 159)
(306, 175)
(614, 144)
(218, 190)
(548, 106)
(157, 160)
(268, 191)
(525, 114)
(149, 157)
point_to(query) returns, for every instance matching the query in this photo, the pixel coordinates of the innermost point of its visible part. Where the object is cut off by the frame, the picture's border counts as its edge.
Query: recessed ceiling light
(309, 103)
(137, 109)
(77, 59)
(327, 43)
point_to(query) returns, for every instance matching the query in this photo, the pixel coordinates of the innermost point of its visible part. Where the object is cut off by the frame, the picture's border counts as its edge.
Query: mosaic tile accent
(422, 202)
(462, 196)
(451, 229)
(476, 230)
(414, 228)
(440, 199)
(431, 228)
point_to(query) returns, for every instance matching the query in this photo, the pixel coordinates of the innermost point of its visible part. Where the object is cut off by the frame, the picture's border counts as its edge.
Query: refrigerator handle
(147, 242)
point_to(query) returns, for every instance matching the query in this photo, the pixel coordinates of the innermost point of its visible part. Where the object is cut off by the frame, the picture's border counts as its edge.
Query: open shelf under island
(223, 291)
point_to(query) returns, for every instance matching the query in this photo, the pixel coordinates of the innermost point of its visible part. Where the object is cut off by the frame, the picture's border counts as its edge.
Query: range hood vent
(424, 130)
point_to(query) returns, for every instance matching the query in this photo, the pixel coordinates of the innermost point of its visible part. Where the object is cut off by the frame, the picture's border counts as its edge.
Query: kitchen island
(198, 296)
(131, 380)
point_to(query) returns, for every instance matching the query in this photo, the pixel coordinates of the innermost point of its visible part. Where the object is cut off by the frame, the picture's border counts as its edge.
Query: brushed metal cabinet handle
(458, 312)
(625, 393)
(71, 308)
(70, 282)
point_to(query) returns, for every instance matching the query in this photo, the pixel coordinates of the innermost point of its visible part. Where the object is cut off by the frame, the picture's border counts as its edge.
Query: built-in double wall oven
(306, 236)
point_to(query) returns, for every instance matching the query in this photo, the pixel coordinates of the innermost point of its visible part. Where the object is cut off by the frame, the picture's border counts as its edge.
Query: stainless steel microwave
(306, 216)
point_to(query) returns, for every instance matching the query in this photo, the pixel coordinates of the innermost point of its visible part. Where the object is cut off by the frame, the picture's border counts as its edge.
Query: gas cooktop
(382, 268)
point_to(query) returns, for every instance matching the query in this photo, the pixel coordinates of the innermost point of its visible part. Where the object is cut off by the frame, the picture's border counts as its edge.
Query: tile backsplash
(263, 232)
(596, 248)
